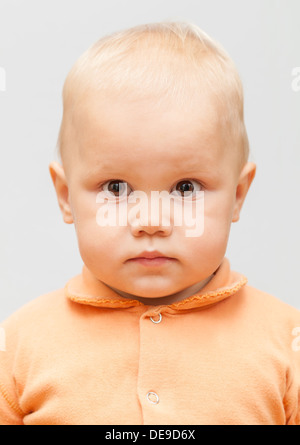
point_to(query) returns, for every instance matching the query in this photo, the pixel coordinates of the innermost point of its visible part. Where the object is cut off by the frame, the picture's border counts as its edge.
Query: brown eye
(115, 188)
(185, 187)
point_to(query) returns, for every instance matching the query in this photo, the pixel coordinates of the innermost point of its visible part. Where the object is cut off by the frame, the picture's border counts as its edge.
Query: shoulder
(269, 316)
(273, 306)
(35, 315)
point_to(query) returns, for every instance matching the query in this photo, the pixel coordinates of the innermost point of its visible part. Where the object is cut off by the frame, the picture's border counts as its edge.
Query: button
(153, 398)
(158, 320)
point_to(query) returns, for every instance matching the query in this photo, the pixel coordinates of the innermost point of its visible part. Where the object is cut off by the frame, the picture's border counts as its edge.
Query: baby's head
(154, 109)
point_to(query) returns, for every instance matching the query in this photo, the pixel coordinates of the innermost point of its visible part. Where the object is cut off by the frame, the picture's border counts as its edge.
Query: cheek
(96, 244)
(219, 210)
(210, 245)
(217, 223)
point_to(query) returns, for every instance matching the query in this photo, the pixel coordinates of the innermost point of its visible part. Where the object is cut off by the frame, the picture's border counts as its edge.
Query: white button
(156, 321)
(153, 397)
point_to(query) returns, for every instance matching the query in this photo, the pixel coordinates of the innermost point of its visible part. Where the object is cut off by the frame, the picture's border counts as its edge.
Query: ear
(62, 191)
(245, 180)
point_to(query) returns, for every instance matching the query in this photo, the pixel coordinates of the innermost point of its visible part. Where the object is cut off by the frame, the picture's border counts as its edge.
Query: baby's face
(173, 150)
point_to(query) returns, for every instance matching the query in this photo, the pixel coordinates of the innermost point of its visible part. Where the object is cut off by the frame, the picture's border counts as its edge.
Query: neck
(167, 299)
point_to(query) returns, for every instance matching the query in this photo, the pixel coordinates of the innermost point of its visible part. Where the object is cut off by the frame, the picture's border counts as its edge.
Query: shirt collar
(86, 289)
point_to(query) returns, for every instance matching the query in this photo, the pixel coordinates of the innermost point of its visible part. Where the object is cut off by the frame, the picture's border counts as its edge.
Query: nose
(146, 217)
(139, 230)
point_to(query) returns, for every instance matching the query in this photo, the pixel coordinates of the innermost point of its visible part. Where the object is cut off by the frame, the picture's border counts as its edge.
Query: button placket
(152, 350)
(152, 397)
(158, 320)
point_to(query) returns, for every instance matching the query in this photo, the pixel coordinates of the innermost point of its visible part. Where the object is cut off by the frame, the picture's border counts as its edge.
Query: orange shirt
(83, 355)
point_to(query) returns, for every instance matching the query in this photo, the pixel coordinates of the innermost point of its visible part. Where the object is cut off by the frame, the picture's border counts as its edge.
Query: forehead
(114, 133)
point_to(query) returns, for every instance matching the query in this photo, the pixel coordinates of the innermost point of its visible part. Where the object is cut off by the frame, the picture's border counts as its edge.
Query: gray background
(39, 42)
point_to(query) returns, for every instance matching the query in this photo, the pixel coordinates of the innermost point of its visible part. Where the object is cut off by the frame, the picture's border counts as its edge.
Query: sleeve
(10, 412)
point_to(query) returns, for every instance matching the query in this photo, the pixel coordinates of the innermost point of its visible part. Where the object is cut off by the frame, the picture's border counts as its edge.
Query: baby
(157, 329)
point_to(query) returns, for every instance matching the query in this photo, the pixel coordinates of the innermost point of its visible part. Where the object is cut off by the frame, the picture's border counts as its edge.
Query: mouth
(153, 259)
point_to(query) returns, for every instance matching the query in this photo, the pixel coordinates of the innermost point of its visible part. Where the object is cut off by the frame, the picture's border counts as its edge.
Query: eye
(116, 188)
(186, 188)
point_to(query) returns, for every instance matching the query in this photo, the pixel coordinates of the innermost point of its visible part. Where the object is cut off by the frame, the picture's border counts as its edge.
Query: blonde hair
(168, 60)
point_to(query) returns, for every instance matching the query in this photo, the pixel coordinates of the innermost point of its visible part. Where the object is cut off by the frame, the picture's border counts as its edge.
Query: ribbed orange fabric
(83, 355)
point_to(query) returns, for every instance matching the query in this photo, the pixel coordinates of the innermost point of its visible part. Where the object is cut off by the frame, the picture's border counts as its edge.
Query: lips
(153, 258)
(151, 255)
